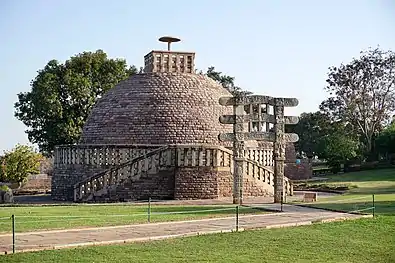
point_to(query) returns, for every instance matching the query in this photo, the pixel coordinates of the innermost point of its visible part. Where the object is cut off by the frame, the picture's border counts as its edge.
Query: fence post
(237, 218)
(13, 233)
(282, 198)
(149, 209)
(374, 207)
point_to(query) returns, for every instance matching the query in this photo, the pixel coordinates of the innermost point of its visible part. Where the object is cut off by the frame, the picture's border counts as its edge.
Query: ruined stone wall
(253, 187)
(212, 183)
(196, 183)
(298, 171)
(65, 176)
(37, 183)
(225, 182)
(158, 186)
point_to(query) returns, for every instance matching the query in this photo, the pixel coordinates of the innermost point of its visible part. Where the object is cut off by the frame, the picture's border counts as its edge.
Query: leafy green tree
(362, 93)
(312, 126)
(226, 81)
(16, 165)
(338, 148)
(385, 142)
(62, 95)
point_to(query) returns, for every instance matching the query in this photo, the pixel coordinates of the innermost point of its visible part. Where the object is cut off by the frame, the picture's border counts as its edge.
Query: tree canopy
(312, 126)
(226, 81)
(16, 165)
(385, 142)
(62, 95)
(362, 93)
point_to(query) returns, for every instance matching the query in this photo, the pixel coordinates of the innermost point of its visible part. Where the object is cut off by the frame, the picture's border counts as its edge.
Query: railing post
(149, 209)
(237, 218)
(13, 233)
(374, 207)
(282, 200)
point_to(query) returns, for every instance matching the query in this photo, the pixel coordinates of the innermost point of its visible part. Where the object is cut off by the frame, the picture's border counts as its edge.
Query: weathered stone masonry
(156, 134)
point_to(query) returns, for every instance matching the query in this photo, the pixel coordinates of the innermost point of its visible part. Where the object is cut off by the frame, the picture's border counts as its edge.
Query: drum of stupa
(155, 135)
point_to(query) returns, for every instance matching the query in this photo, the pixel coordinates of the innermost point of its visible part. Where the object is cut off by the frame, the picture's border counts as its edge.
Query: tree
(337, 148)
(363, 93)
(17, 164)
(62, 95)
(226, 81)
(311, 128)
(385, 142)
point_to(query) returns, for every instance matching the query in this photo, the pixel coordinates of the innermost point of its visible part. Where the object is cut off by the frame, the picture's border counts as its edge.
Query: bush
(4, 188)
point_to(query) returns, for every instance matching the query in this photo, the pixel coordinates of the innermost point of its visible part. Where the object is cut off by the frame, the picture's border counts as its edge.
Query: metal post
(149, 209)
(282, 198)
(237, 218)
(13, 233)
(374, 207)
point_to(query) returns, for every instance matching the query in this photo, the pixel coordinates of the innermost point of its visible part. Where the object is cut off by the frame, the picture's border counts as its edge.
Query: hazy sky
(279, 48)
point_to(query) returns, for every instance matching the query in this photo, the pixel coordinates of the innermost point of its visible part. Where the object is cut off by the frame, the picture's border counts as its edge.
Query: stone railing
(148, 159)
(167, 156)
(188, 155)
(265, 175)
(150, 162)
(262, 156)
(99, 154)
(195, 155)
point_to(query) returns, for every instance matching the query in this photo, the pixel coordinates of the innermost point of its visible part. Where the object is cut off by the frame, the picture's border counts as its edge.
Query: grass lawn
(362, 186)
(359, 241)
(365, 240)
(62, 217)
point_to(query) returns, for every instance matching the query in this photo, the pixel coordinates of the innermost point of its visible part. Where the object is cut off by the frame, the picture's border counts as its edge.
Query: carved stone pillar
(238, 152)
(279, 150)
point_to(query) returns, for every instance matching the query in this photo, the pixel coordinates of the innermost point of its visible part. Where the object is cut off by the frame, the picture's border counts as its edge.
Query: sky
(278, 48)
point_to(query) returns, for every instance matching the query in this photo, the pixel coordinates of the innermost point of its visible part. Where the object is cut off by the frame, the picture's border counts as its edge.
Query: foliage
(226, 81)
(385, 142)
(62, 95)
(310, 128)
(338, 148)
(363, 93)
(18, 164)
(4, 188)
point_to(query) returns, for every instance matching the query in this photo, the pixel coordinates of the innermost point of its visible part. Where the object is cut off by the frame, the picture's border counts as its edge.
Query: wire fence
(226, 218)
(363, 205)
(19, 224)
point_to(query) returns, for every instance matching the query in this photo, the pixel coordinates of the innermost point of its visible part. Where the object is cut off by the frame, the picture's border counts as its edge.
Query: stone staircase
(116, 184)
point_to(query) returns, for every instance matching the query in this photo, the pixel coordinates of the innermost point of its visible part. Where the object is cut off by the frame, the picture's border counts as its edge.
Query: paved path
(45, 199)
(292, 215)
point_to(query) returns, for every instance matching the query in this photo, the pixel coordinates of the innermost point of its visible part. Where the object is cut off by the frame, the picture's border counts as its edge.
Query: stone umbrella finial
(169, 40)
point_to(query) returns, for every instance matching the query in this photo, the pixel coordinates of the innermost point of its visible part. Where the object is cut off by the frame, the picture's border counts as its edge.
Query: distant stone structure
(155, 135)
(6, 196)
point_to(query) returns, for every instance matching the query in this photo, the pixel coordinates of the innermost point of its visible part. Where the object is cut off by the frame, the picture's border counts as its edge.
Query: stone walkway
(45, 199)
(56, 239)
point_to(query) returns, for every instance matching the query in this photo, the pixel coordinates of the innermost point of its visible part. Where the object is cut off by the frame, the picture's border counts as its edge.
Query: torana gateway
(157, 134)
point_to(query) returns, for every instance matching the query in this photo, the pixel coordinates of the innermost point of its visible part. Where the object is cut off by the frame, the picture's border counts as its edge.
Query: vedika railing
(151, 160)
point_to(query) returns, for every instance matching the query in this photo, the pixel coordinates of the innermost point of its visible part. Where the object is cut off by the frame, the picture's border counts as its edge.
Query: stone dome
(159, 108)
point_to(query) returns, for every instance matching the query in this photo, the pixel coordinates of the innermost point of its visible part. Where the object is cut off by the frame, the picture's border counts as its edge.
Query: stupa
(155, 135)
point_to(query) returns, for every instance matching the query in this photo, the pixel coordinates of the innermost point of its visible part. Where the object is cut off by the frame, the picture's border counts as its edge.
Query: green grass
(359, 241)
(362, 186)
(63, 217)
(366, 240)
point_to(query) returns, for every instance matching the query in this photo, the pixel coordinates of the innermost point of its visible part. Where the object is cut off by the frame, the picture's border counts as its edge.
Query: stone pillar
(238, 151)
(279, 150)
